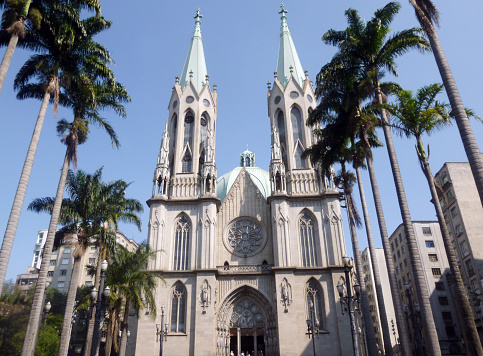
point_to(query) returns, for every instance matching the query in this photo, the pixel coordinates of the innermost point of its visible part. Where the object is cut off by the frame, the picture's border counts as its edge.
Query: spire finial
(291, 70)
(176, 79)
(214, 87)
(275, 75)
(191, 75)
(198, 16)
(207, 78)
(306, 74)
(283, 11)
(269, 85)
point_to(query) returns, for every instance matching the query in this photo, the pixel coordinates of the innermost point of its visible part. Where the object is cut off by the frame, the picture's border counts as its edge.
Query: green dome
(260, 177)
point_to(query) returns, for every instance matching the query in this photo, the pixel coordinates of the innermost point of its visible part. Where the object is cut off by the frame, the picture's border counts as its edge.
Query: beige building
(436, 271)
(463, 214)
(372, 296)
(243, 256)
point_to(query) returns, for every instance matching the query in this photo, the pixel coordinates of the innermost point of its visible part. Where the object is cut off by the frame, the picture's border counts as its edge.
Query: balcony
(244, 269)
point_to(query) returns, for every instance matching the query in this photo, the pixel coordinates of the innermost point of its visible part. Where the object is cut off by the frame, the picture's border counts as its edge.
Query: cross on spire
(283, 11)
(198, 16)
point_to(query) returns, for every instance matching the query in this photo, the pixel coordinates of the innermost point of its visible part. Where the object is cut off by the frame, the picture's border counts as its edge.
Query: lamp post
(417, 334)
(313, 325)
(162, 334)
(102, 299)
(349, 300)
(46, 312)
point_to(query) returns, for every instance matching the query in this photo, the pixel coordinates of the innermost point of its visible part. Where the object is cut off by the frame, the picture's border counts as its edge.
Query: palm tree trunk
(7, 58)
(92, 320)
(37, 304)
(470, 333)
(122, 350)
(375, 269)
(475, 157)
(111, 326)
(12, 224)
(69, 307)
(396, 297)
(429, 329)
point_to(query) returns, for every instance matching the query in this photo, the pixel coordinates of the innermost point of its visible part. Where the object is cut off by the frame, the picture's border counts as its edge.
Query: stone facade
(242, 256)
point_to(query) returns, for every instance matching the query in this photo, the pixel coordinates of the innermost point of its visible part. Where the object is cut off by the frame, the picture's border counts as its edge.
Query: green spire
(288, 61)
(195, 66)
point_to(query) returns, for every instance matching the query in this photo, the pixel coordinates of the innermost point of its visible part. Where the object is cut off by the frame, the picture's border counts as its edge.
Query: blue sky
(149, 43)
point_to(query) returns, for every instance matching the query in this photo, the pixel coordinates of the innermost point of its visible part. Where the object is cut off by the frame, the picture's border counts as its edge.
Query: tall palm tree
(413, 116)
(341, 93)
(428, 16)
(64, 46)
(367, 47)
(128, 277)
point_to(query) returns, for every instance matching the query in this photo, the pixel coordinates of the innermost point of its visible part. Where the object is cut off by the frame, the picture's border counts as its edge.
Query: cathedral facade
(246, 255)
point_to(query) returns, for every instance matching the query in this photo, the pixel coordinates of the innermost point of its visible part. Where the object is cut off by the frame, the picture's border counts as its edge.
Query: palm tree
(366, 48)
(65, 47)
(128, 277)
(428, 16)
(341, 94)
(414, 116)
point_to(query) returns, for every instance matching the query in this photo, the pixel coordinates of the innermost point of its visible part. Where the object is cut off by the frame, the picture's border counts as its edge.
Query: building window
(441, 203)
(409, 276)
(181, 244)
(444, 180)
(464, 248)
(403, 249)
(474, 286)
(450, 194)
(65, 261)
(60, 284)
(447, 316)
(405, 262)
(282, 136)
(429, 243)
(439, 286)
(178, 309)
(454, 212)
(55, 251)
(394, 258)
(189, 127)
(459, 230)
(93, 249)
(397, 243)
(392, 246)
(314, 295)
(298, 138)
(433, 257)
(436, 271)
(88, 283)
(400, 237)
(63, 272)
(426, 230)
(50, 273)
(469, 268)
(398, 254)
(53, 262)
(443, 300)
(67, 250)
(92, 260)
(307, 241)
(397, 270)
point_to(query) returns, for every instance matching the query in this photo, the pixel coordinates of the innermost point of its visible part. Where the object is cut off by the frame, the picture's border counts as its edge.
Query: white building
(372, 296)
(436, 271)
(463, 214)
(39, 246)
(243, 255)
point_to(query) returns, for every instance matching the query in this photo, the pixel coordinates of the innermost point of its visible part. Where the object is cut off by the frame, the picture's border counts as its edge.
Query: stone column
(255, 341)
(238, 341)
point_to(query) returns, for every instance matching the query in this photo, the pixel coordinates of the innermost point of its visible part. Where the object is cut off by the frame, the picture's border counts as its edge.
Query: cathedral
(251, 257)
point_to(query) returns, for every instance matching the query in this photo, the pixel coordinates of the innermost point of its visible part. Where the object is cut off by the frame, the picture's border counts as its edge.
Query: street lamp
(46, 312)
(413, 310)
(349, 300)
(313, 325)
(161, 335)
(101, 304)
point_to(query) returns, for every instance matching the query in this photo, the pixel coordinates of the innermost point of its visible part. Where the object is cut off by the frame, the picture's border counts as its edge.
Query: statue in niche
(210, 155)
(205, 295)
(285, 294)
(276, 152)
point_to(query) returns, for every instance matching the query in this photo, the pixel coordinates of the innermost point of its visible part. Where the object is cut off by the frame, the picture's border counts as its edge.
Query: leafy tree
(428, 16)
(414, 115)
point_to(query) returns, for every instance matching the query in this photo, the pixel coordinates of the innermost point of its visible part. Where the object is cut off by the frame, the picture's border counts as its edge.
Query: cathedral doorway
(247, 323)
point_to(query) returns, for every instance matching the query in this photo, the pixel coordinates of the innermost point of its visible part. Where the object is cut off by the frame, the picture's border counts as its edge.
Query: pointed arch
(187, 153)
(308, 236)
(280, 120)
(298, 136)
(315, 294)
(178, 307)
(182, 242)
(173, 134)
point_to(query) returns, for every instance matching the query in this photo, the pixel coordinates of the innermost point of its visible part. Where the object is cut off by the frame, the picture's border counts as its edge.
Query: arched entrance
(247, 322)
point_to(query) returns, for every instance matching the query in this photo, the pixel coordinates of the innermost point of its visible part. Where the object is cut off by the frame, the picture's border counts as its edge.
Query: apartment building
(437, 275)
(463, 214)
(373, 301)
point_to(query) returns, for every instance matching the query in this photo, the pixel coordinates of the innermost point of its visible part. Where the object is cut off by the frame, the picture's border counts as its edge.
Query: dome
(260, 177)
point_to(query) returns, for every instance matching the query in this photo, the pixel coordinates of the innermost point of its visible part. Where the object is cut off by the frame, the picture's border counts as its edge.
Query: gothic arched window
(182, 243)
(307, 231)
(298, 137)
(178, 308)
(187, 157)
(173, 134)
(313, 293)
(282, 136)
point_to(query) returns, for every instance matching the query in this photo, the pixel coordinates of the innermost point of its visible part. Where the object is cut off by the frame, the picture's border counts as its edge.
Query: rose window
(244, 237)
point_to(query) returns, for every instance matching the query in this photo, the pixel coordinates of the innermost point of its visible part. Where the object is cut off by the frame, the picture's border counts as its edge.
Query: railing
(244, 269)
